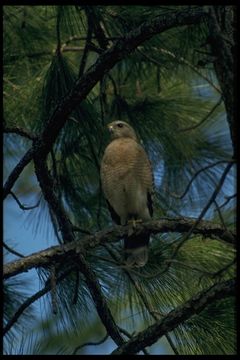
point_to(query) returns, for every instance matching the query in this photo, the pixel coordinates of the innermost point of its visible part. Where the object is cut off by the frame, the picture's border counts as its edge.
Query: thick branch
(182, 313)
(114, 234)
(222, 29)
(48, 188)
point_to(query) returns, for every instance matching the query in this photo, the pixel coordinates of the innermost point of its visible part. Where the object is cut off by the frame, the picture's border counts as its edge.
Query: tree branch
(180, 60)
(16, 172)
(206, 207)
(48, 188)
(204, 119)
(220, 215)
(19, 131)
(142, 296)
(182, 313)
(90, 344)
(228, 198)
(22, 206)
(114, 234)
(100, 302)
(196, 174)
(222, 38)
(12, 251)
(86, 48)
(32, 299)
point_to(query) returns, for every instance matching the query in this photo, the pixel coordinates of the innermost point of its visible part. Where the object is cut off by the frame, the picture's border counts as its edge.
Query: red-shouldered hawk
(127, 183)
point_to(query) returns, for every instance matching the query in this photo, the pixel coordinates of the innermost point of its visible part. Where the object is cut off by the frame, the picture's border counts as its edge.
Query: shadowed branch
(175, 317)
(114, 234)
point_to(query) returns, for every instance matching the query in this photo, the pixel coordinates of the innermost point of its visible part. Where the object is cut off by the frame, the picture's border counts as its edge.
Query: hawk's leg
(133, 222)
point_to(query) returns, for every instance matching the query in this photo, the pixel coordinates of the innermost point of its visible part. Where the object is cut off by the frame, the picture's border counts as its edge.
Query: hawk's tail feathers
(137, 257)
(136, 250)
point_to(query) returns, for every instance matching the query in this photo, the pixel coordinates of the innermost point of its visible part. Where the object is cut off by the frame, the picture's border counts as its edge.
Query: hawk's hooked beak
(110, 128)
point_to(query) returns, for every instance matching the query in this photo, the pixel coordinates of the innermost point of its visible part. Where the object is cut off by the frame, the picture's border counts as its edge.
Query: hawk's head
(121, 129)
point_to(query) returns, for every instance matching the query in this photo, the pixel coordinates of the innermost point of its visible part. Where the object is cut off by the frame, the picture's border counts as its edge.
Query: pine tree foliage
(168, 90)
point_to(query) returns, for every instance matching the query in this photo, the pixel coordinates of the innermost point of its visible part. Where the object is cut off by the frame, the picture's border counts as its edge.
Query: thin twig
(55, 173)
(220, 215)
(19, 131)
(86, 48)
(99, 206)
(203, 212)
(97, 26)
(81, 230)
(204, 119)
(196, 174)
(218, 273)
(228, 198)
(204, 272)
(22, 206)
(16, 172)
(84, 38)
(55, 226)
(170, 261)
(180, 60)
(32, 299)
(14, 252)
(114, 84)
(53, 288)
(59, 15)
(90, 344)
(106, 259)
(205, 209)
(75, 295)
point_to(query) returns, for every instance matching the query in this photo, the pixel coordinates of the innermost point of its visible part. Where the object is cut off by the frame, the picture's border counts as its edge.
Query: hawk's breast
(126, 176)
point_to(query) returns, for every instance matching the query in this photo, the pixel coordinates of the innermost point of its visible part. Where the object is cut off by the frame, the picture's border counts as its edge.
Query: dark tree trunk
(222, 29)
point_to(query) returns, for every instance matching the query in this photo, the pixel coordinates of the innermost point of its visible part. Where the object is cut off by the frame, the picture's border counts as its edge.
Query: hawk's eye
(120, 125)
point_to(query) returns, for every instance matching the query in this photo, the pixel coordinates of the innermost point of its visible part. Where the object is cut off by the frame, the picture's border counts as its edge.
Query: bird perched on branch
(127, 183)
